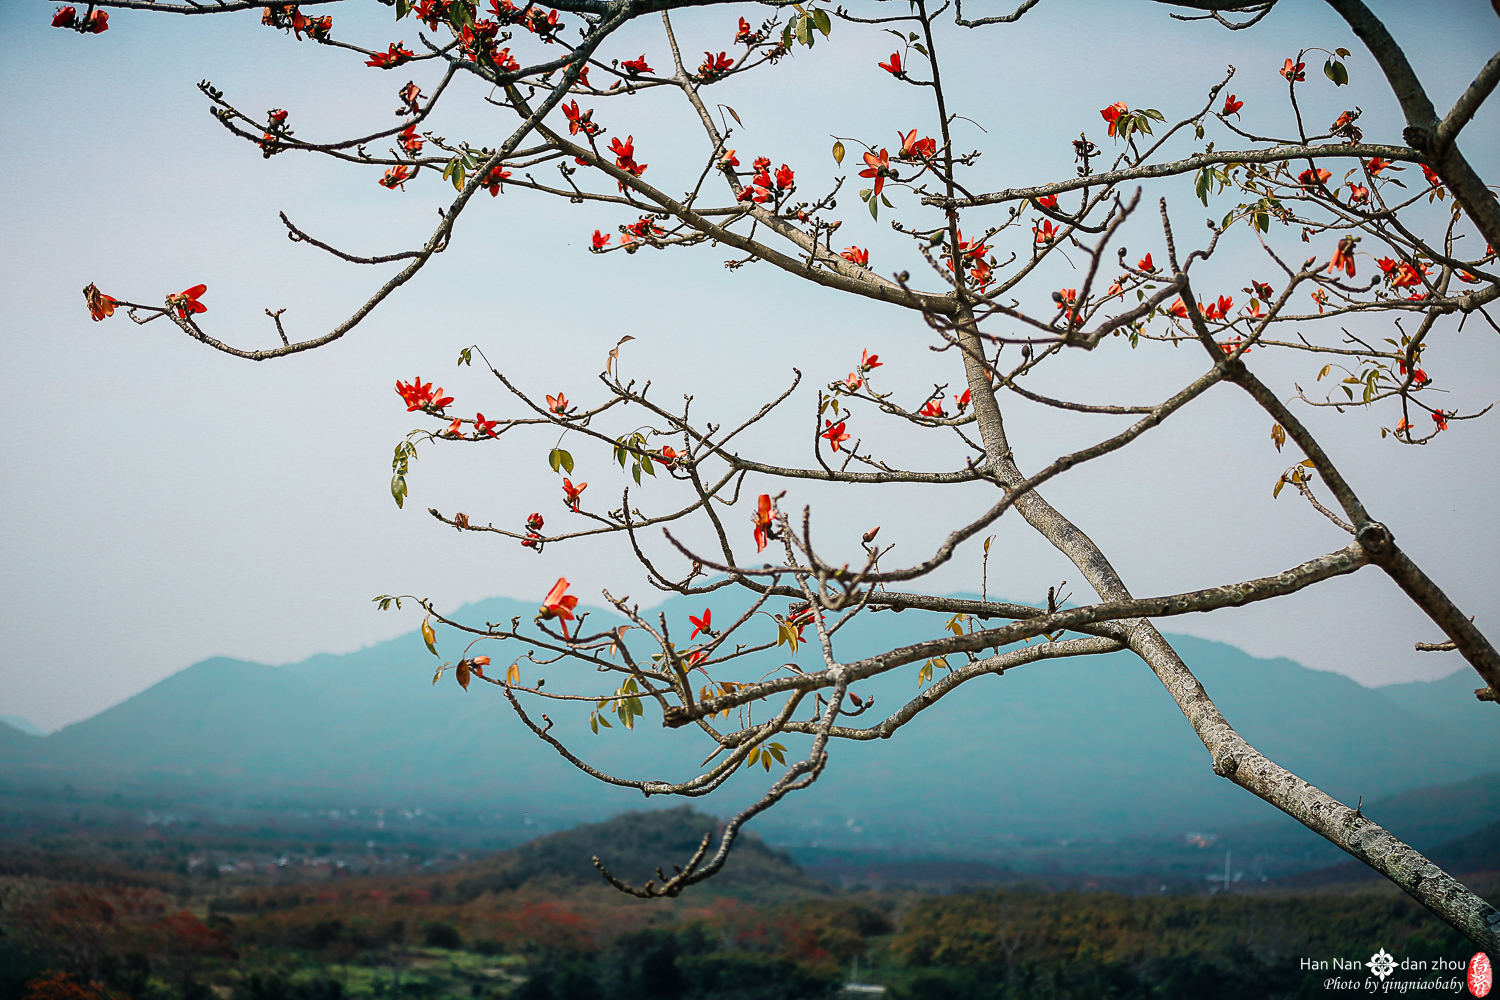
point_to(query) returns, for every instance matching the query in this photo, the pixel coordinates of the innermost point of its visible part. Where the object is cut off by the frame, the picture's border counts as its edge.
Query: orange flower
(397, 54)
(396, 177)
(1293, 71)
(558, 404)
(878, 167)
(1113, 114)
(559, 604)
(1312, 177)
(856, 255)
(1343, 256)
(1441, 419)
(571, 494)
(763, 521)
(1146, 264)
(835, 433)
(913, 148)
(187, 302)
(100, 305)
(868, 361)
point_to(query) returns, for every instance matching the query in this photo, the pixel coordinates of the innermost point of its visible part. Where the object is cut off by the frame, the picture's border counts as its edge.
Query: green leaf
(566, 460)
(646, 464)
(838, 152)
(874, 204)
(635, 470)
(886, 201)
(919, 47)
(403, 7)
(1335, 71)
(554, 459)
(398, 489)
(466, 356)
(820, 19)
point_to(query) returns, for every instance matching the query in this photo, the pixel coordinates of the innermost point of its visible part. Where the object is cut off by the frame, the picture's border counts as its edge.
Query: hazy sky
(167, 503)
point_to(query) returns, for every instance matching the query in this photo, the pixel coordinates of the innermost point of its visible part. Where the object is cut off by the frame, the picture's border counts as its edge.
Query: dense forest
(114, 922)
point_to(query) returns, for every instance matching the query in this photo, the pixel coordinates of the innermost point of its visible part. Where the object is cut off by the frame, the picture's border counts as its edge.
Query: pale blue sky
(167, 503)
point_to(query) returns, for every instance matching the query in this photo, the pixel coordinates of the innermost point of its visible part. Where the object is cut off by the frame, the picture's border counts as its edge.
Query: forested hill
(1079, 747)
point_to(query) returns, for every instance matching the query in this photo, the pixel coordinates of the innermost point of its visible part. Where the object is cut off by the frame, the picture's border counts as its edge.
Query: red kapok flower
(1293, 71)
(932, 408)
(963, 401)
(635, 67)
(494, 180)
(835, 433)
(1044, 233)
(394, 56)
(745, 35)
(1146, 264)
(1113, 113)
(571, 493)
(1343, 256)
(1232, 107)
(784, 176)
(761, 164)
(409, 95)
(579, 121)
(455, 429)
(856, 255)
(868, 361)
(99, 22)
(1048, 202)
(601, 240)
(1313, 177)
(66, 17)
(913, 148)
(1178, 308)
(853, 382)
(894, 66)
(534, 522)
(763, 520)
(396, 177)
(100, 305)
(1376, 165)
(558, 404)
(1431, 175)
(559, 604)
(410, 141)
(878, 167)
(1358, 194)
(483, 426)
(1441, 419)
(703, 625)
(714, 67)
(187, 301)
(1263, 290)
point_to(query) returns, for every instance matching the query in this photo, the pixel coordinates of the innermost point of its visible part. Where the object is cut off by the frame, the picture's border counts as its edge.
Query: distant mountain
(21, 725)
(1080, 748)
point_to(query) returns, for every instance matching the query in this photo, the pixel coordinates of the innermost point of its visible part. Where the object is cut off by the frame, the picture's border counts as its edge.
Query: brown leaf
(462, 672)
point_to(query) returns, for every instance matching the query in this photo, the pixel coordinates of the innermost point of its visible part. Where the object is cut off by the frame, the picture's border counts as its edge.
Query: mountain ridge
(1092, 746)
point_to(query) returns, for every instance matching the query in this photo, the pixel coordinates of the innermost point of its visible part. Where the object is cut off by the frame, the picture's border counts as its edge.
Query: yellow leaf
(429, 637)
(1279, 484)
(513, 675)
(838, 152)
